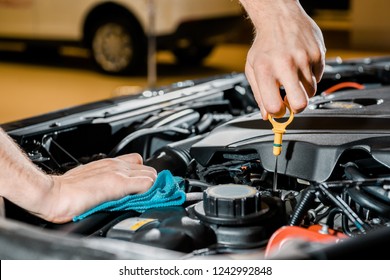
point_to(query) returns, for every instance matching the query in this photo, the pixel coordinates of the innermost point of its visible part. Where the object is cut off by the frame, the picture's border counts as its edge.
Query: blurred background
(38, 80)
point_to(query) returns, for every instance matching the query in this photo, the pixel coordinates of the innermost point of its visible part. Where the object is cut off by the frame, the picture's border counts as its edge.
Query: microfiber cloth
(167, 190)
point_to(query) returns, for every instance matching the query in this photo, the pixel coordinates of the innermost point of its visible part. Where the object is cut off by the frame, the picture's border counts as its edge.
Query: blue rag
(167, 190)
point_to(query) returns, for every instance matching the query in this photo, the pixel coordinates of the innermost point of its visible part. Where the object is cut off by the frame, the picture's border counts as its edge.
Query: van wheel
(193, 55)
(117, 47)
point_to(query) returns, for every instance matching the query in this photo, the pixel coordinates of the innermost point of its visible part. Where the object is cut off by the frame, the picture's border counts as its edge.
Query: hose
(352, 216)
(304, 204)
(366, 201)
(332, 215)
(144, 132)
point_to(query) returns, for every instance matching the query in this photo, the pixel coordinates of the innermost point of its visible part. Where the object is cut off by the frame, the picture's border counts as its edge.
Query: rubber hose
(368, 202)
(303, 206)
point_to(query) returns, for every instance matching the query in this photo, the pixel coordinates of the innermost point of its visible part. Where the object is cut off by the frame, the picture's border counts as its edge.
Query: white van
(116, 31)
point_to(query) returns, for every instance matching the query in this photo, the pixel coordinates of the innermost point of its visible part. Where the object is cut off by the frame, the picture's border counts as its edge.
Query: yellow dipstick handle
(279, 129)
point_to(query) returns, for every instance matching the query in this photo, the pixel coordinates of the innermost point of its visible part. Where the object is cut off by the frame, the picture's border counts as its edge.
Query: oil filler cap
(230, 204)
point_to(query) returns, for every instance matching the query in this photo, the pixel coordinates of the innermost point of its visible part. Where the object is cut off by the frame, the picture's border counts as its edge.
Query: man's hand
(288, 51)
(88, 185)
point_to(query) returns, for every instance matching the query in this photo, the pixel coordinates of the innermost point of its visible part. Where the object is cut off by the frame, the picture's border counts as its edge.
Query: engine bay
(332, 198)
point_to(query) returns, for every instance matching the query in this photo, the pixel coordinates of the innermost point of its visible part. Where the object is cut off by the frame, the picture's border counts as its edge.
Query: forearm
(20, 180)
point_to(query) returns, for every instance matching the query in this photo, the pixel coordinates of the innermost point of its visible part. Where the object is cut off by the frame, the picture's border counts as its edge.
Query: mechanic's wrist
(58, 206)
(34, 193)
(48, 193)
(265, 11)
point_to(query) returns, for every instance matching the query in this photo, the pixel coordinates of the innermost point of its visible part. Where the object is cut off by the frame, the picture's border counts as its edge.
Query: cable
(343, 85)
(193, 183)
(353, 217)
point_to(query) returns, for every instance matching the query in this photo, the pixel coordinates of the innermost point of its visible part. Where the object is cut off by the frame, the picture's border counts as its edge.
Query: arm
(59, 198)
(288, 50)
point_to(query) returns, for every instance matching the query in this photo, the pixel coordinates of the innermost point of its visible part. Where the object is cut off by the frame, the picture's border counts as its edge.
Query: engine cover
(314, 141)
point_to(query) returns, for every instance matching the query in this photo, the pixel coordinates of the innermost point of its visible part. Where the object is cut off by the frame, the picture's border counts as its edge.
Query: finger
(136, 162)
(118, 166)
(308, 80)
(318, 68)
(108, 165)
(303, 61)
(134, 166)
(142, 173)
(122, 182)
(317, 51)
(295, 91)
(309, 85)
(137, 184)
(131, 158)
(97, 166)
(269, 88)
(255, 89)
(115, 186)
(317, 61)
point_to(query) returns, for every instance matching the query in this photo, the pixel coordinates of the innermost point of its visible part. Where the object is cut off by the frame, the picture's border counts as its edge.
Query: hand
(86, 186)
(288, 50)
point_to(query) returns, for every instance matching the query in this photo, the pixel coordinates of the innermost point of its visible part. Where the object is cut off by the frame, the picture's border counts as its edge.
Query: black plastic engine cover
(314, 141)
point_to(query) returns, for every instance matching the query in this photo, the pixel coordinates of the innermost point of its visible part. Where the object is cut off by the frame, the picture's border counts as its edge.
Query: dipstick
(279, 128)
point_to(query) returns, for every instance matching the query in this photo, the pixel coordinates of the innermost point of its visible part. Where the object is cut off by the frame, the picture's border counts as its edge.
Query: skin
(288, 50)
(58, 199)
